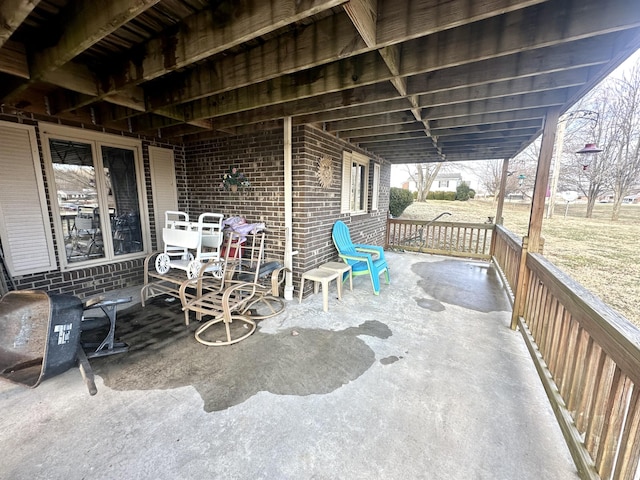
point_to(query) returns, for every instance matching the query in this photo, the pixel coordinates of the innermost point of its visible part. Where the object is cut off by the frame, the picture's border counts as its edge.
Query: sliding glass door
(99, 198)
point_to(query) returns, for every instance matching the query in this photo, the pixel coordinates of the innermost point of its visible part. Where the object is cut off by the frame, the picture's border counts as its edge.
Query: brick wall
(90, 281)
(316, 209)
(199, 169)
(260, 157)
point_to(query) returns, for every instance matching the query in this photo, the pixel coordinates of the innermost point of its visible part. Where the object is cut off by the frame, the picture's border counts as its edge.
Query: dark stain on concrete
(164, 355)
(469, 285)
(429, 304)
(389, 360)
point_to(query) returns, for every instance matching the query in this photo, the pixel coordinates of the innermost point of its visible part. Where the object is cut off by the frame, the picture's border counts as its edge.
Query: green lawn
(600, 254)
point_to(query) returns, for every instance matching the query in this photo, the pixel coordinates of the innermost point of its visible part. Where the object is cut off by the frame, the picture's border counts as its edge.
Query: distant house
(632, 199)
(447, 182)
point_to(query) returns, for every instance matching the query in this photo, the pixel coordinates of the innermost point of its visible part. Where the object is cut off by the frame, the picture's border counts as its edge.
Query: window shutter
(163, 186)
(376, 187)
(345, 201)
(25, 231)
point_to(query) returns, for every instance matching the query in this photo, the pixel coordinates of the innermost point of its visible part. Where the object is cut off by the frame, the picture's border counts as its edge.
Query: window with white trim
(97, 180)
(355, 183)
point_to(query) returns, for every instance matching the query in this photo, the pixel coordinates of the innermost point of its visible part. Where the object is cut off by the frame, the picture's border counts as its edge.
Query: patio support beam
(288, 210)
(501, 192)
(542, 178)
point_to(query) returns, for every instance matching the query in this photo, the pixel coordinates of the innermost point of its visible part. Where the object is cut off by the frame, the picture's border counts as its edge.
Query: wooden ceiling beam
(521, 30)
(513, 140)
(88, 24)
(439, 51)
(317, 44)
(501, 104)
(13, 59)
(354, 112)
(492, 135)
(501, 117)
(201, 36)
(366, 99)
(487, 129)
(491, 75)
(12, 14)
(506, 88)
(410, 126)
(355, 123)
(364, 15)
(392, 137)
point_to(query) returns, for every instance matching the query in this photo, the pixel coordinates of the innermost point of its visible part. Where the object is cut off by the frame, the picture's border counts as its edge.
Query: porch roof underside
(408, 80)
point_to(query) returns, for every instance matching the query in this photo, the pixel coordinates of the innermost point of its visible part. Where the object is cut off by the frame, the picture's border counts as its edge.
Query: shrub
(462, 192)
(450, 196)
(472, 193)
(399, 200)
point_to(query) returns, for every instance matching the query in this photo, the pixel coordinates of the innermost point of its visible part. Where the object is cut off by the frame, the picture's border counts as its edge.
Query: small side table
(320, 276)
(341, 268)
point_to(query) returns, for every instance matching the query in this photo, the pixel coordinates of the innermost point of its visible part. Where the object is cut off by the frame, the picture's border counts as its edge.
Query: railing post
(521, 285)
(386, 237)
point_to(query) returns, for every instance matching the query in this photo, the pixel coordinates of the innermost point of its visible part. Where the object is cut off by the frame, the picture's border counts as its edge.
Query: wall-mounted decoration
(234, 179)
(325, 172)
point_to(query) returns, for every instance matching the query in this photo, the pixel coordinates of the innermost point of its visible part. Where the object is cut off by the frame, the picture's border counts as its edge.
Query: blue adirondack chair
(364, 259)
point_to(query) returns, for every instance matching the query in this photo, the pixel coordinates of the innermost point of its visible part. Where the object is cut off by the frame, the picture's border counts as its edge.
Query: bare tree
(423, 174)
(590, 174)
(489, 173)
(625, 161)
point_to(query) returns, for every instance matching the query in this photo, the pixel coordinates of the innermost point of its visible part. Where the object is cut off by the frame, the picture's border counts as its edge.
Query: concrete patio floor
(424, 381)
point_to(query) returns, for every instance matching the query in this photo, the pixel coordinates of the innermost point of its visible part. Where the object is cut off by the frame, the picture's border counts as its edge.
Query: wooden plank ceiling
(409, 80)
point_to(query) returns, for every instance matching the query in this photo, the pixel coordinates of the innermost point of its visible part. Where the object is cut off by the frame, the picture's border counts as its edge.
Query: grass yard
(600, 254)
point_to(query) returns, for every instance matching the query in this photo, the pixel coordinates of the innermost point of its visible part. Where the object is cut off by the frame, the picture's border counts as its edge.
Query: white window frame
(96, 140)
(351, 188)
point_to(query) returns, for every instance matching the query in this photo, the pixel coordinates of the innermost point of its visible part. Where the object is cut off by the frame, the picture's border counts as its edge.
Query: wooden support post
(542, 178)
(498, 219)
(288, 209)
(522, 283)
(503, 187)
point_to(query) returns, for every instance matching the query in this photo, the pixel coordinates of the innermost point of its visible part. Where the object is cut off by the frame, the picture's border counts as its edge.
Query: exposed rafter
(409, 80)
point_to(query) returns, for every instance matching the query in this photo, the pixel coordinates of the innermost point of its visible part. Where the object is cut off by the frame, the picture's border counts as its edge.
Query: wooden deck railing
(507, 252)
(587, 355)
(472, 240)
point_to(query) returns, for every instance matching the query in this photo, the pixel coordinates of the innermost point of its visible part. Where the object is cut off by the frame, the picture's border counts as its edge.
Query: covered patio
(132, 108)
(425, 381)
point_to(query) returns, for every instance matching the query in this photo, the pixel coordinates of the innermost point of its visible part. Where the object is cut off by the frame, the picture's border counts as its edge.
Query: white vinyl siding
(163, 186)
(24, 228)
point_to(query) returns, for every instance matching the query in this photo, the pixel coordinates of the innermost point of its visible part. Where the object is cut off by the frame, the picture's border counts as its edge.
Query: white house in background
(446, 182)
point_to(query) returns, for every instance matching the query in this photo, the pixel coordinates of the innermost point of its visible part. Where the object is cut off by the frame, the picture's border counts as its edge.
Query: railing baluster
(578, 372)
(629, 456)
(556, 337)
(593, 433)
(586, 393)
(570, 359)
(616, 410)
(563, 345)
